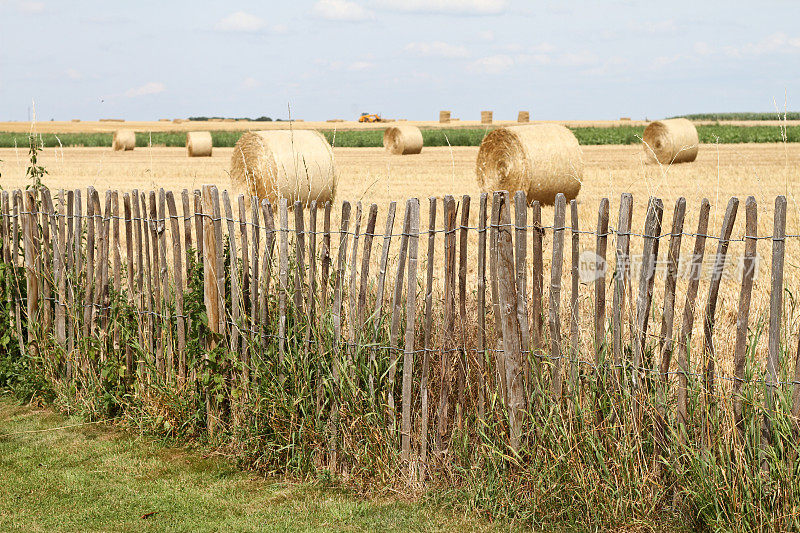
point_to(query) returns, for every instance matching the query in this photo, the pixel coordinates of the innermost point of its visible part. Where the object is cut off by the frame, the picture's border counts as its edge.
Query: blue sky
(146, 60)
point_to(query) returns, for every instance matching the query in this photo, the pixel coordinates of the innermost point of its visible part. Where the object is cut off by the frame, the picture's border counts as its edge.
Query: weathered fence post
(652, 231)
(621, 275)
(446, 359)
(556, 353)
(408, 353)
(396, 311)
(749, 266)
(775, 312)
(177, 258)
(481, 355)
(31, 240)
(369, 236)
(521, 266)
(462, 299)
(574, 312)
(508, 296)
(426, 359)
(212, 292)
(601, 247)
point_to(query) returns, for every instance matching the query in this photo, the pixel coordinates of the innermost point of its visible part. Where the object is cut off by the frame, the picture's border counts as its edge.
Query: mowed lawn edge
(61, 474)
(618, 135)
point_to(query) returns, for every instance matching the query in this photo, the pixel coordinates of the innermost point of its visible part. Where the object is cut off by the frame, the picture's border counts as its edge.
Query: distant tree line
(774, 115)
(259, 119)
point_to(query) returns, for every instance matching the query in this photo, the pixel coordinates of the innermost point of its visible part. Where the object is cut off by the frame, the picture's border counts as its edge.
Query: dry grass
(373, 175)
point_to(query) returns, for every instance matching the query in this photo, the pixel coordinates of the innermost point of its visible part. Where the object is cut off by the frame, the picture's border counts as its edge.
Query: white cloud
(543, 48)
(360, 65)
(702, 48)
(450, 7)
(534, 59)
(153, 87)
(663, 61)
(777, 43)
(577, 59)
(495, 64)
(342, 10)
(250, 83)
(437, 49)
(660, 27)
(31, 8)
(73, 74)
(240, 21)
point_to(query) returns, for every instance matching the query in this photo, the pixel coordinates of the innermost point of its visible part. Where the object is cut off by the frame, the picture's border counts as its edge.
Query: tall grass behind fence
(361, 348)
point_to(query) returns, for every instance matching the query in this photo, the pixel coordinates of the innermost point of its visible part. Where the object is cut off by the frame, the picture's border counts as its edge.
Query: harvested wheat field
(372, 175)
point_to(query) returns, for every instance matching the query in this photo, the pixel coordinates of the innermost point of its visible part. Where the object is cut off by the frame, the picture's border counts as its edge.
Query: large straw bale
(402, 140)
(198, 143)
(292, 164)
(540, 159)
(444, 117)
(671, 141)
(124, 140)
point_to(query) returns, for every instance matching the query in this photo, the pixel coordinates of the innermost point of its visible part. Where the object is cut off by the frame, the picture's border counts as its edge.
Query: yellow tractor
(366, 117)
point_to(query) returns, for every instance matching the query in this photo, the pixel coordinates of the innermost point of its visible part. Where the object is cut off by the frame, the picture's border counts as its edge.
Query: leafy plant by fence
(339, 348)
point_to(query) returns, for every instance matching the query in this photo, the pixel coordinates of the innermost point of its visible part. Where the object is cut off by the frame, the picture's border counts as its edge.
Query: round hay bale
(540, 159)
(124, 140)
(402, 140)
(524, 117)
(198, 143)
(671, 141)
(444, 117)
(292, 164)
(486, 117)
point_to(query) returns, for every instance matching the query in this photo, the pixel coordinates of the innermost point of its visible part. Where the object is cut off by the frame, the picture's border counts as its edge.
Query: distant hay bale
(671, 141)
(624, 119)
(178, 120)
(124, 140)
(444, 117)
(540, 159)
(335, 120)
(402, 140)
(486, 117)
(524, 117)
(163, 120)
(76, 120)
(198, 143)
(292, 164)
(112, 120)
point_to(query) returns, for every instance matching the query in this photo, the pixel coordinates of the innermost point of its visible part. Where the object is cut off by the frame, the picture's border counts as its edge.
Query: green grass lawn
(57, 474)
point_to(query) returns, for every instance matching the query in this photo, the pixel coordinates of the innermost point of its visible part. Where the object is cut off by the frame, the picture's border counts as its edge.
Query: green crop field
(714, 133)
(774, 115)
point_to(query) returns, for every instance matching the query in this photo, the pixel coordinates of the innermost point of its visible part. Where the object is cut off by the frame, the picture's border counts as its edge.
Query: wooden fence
(350, 295)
